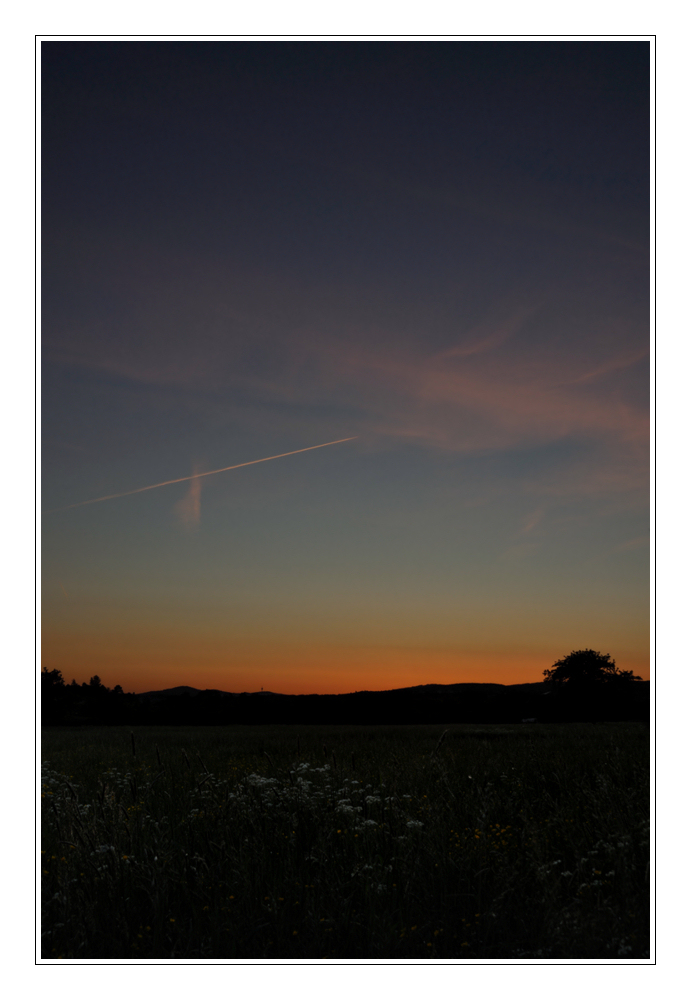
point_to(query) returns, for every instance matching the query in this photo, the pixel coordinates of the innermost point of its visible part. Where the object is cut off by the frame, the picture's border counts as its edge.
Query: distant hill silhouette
(177, 692)
(425, 703)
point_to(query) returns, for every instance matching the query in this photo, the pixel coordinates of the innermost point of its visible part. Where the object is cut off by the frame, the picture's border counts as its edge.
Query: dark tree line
(79, 704)
(583, 687)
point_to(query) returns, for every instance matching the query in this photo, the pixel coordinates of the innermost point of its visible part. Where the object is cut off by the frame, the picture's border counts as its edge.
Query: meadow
(346, 842)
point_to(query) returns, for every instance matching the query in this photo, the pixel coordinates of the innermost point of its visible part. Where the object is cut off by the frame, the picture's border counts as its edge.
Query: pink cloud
(188, 510)
(612, 365)
(634, 543)
(512, 379)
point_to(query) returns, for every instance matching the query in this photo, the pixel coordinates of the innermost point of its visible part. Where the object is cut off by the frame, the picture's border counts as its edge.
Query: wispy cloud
(197, 475)
(489, 334)
(611, 365)
(436, 373)
(532, 520)
(188, 510)
(634, 543)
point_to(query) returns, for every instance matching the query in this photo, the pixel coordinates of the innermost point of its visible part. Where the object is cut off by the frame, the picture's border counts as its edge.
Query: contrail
(198, 475)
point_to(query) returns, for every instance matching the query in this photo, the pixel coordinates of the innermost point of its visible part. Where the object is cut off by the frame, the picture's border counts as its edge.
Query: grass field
(499, 842)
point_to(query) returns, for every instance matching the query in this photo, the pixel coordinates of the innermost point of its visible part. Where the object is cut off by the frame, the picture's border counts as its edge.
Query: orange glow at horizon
(309, 669)
(478, 324)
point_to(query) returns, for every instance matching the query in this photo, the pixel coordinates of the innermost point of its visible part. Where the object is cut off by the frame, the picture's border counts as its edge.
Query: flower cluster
(317, 791)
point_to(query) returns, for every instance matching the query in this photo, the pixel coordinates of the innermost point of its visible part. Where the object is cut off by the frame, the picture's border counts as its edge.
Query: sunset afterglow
(413, 273)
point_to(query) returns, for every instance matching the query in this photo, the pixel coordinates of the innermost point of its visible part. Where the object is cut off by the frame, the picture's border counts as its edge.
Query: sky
(437, 250)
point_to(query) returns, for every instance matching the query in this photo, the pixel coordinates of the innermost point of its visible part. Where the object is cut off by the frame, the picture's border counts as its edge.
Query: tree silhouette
(84, 704)
(51, 680)
(586, 668)
(52, 696)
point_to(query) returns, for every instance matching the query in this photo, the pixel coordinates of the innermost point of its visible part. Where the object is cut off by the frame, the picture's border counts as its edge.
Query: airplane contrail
(198, 475)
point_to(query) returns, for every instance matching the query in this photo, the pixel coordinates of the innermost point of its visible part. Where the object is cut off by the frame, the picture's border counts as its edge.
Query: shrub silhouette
(586, 668)
(588, 686)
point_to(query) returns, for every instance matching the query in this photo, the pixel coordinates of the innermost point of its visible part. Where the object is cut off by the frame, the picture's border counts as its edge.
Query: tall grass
(273, 842)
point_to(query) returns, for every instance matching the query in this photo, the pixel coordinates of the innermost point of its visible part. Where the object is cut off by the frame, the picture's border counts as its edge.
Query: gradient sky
(248, 248)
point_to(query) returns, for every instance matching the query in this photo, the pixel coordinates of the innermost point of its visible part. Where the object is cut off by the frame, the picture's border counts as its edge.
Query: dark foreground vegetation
(390, 842)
